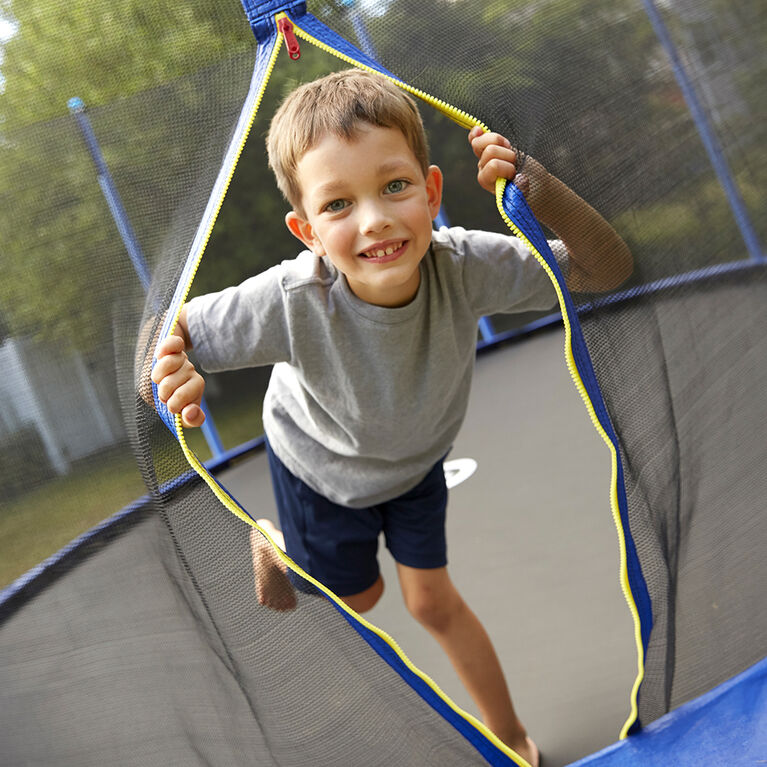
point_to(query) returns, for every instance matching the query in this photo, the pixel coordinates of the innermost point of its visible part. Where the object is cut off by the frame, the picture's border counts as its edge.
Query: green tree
(581, 85)
(154, 77)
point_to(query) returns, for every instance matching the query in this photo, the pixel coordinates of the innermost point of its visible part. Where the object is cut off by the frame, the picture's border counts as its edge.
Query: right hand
(179, 385)
(498, 158)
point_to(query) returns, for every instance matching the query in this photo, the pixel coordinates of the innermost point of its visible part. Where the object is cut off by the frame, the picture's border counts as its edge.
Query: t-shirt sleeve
(241, 326)
(500, 274)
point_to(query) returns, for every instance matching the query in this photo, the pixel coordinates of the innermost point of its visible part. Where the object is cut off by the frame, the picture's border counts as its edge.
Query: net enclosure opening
(130, 627)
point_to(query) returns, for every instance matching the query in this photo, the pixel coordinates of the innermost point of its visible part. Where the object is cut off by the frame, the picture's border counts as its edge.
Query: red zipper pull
(285, 25)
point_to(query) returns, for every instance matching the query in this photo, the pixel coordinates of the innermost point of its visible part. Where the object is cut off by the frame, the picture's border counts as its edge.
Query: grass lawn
(39, 523)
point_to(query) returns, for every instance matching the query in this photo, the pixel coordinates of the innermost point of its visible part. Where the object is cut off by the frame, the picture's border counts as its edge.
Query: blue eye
(335, 206)
(396, 186)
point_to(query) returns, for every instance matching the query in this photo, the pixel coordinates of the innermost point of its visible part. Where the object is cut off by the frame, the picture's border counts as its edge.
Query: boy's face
(368, 207)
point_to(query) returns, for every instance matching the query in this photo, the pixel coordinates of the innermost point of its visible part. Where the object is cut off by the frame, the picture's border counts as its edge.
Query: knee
(434, 611)
(365, 600)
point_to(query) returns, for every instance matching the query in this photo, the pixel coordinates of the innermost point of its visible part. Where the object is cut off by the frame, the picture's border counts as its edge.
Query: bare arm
(599, 258)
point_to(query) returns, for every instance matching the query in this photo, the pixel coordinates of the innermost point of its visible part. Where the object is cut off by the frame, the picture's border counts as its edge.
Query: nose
(374, 217)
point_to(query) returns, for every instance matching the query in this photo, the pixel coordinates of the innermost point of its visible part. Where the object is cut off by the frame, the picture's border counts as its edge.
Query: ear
(434, 189)
(299, 227)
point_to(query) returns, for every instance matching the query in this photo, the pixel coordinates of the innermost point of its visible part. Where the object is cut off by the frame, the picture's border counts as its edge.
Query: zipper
(614, 506)
(285, 25)
(290, 33)
(193, 272)
(464, 119)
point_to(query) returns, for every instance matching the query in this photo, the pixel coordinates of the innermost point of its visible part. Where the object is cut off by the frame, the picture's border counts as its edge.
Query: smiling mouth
(384, 254)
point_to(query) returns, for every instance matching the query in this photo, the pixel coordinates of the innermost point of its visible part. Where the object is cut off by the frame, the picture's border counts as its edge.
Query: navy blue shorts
(338, 545)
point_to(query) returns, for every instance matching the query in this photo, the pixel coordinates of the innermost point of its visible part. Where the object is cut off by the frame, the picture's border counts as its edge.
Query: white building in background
(53, 392)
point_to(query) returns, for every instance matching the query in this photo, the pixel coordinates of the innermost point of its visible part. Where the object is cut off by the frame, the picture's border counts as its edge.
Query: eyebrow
(329, 189)
(391, 166)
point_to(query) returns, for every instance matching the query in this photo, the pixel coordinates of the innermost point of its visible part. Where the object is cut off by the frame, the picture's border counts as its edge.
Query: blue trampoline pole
(707, 134)
(77, 108)
(120, 216)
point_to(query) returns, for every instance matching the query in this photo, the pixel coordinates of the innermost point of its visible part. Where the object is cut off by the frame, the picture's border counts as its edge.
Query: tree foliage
(147, 72)
(107, 51)
(584, 86)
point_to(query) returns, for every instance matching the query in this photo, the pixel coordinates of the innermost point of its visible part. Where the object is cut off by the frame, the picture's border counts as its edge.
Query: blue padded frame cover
(725, 726)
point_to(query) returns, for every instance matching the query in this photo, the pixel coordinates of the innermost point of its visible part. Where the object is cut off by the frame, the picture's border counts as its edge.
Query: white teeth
(383, 252)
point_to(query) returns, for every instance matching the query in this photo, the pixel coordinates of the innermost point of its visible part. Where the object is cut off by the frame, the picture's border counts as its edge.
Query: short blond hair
(336, 105)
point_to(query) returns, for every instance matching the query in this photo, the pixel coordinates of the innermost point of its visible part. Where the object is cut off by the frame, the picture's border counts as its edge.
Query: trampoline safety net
(143, 642)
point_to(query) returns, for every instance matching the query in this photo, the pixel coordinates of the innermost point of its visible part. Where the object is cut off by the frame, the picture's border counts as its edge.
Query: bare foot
(527, 750)
(530, 752)
(273, 587)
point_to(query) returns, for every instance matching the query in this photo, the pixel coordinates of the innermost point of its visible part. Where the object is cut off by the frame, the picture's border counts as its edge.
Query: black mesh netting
(146, 644)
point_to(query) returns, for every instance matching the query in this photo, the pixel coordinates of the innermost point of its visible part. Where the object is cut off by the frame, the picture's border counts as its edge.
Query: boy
(372, 332)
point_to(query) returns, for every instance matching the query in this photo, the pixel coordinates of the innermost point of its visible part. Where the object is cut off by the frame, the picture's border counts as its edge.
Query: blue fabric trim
(261, 15)
(490, 752)
(162, 409)
(519, 212)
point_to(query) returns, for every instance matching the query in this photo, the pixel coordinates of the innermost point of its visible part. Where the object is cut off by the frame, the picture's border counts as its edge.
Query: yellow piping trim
(231, 504)
(500, 186)
(214, 217)
(465, 120)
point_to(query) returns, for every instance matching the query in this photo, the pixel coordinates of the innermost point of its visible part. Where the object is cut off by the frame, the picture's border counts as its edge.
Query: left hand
(179, 385)
(497, 158)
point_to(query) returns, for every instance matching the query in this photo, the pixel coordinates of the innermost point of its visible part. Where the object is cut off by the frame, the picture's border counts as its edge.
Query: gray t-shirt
(363, 400)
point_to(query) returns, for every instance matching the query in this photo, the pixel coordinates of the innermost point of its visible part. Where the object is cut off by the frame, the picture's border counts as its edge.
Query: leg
(364, 600)
(433, 600)
(332, 543)
(273, 588)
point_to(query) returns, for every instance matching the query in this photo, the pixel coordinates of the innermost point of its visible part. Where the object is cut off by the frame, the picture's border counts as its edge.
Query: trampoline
(619, 569)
